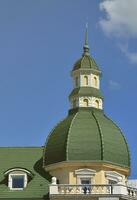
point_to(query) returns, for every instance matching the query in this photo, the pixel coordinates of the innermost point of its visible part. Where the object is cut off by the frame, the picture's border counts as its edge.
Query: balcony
(93, 190)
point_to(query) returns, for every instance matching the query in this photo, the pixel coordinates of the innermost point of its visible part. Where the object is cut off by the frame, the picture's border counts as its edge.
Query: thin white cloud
(120, 21)
(120, 17)
(113, 85)
(132, 56)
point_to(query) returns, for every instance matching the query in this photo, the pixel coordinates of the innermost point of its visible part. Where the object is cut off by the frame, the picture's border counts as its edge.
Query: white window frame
(17, 172)
(114, 176)
(84, 174)
(10, 182)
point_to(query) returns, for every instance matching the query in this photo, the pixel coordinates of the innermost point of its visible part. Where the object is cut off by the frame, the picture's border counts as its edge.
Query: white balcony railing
(64, 189)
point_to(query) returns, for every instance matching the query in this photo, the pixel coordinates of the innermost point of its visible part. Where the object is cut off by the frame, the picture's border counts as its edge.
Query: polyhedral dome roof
(87, 134)
(86, 62)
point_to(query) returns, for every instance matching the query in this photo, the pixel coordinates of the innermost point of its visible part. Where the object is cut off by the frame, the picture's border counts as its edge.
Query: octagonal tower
(87, 145)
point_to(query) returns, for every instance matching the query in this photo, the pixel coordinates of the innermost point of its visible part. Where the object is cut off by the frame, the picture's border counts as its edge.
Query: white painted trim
(17, 169)
(17, 174)
(85, 171)
(85, 174)
(115, 176)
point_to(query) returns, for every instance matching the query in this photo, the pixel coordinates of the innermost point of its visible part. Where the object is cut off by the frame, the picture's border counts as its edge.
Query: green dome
(86, 62)
(87, 135)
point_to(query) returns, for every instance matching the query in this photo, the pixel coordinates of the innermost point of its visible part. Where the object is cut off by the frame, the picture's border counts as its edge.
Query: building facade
(86, 155)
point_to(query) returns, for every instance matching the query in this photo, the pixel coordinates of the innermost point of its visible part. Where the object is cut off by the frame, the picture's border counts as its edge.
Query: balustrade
(65, 189)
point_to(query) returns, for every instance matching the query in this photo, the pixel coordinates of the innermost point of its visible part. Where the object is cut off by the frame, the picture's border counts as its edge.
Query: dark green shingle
(29, 158)
(86, 91)
(86, 62)
(87, 135)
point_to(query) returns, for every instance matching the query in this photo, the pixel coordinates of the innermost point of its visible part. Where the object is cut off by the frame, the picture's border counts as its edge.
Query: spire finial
(86, 47)
(86, 35)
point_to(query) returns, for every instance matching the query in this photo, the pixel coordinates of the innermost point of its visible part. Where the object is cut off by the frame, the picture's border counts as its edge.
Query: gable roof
(29, 158)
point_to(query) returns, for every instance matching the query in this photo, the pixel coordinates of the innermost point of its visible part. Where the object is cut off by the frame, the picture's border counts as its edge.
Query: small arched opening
(85, 102)
(85, 80)
(97, 104)
(95, 81)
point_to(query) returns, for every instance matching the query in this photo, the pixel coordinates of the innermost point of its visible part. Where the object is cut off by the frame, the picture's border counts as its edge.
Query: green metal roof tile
(84, 139)
(115, 147)
(101, 137)
(86, 62)
(87, 135)
(29, 158)
(86, 91)
(58, 140)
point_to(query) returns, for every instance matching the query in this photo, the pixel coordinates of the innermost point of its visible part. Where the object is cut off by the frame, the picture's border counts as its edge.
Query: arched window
(95, 81)
(85, 80)
(97, 104)
(18, 178)
(85, 102)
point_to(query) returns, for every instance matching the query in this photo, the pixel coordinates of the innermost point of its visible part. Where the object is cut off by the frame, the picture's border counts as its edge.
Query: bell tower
(86, 147)
(86, 79)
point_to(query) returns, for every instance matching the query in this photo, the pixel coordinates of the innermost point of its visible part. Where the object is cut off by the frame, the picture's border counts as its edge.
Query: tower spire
(86, 47)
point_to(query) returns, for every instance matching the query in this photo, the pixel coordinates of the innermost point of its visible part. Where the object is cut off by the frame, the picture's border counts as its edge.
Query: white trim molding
(10, 180)
(17, 169)
(114, 176)
(85, 174)
(17, 172)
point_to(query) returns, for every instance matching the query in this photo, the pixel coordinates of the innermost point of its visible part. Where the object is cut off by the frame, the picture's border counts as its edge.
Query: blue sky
(40, 40)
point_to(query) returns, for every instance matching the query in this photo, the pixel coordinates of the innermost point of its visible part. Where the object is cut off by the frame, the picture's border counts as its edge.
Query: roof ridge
(69, 133)
(101, 135)
(89, 59)
(82, 59)
(129, 159)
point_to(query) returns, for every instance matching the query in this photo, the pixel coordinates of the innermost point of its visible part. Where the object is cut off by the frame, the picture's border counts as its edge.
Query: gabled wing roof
(29, 158)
